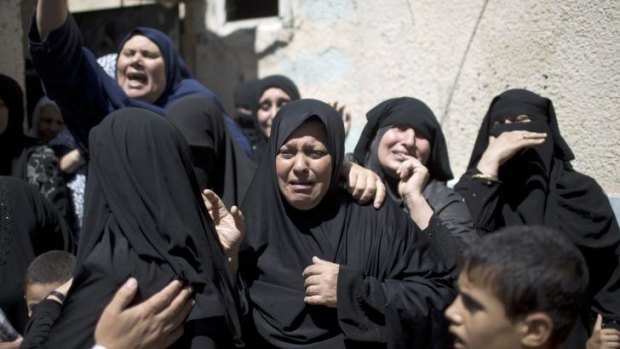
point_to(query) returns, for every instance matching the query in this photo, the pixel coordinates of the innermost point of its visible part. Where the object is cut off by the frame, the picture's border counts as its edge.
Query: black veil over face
(540, 187)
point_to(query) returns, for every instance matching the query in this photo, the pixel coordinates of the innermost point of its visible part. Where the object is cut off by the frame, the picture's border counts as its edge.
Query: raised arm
(51, 14)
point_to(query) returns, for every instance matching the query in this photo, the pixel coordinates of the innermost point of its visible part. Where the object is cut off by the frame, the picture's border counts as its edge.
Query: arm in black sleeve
(482, 198)
(40, 324)
(71, 77)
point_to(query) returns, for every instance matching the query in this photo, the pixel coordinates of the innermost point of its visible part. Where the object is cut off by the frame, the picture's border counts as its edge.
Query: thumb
(317, 260)
(598, 324)
(123, 296)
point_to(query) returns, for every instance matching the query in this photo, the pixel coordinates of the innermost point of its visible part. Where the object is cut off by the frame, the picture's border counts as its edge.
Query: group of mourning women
(277, 240)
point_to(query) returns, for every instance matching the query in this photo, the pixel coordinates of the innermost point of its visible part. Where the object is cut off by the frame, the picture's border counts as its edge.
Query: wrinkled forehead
(311, 128)
(141, 41)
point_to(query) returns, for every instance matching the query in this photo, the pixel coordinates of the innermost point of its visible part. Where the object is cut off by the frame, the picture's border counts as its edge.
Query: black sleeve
(40, 324)
(52, 232)
(70, 75)
(482, 198)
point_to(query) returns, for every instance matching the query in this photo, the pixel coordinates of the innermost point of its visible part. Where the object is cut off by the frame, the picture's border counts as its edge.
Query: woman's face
(4, 116)
(398, 144)
(268, 105)
(304, 166)
(141, 69)
(50, 123)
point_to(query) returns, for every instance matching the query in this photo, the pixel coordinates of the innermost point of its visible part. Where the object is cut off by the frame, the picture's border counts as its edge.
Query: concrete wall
(454, 55)
(11, 40)
(457, 56)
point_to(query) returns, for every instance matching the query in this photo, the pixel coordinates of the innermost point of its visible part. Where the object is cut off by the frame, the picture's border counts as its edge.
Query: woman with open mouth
(324, 271)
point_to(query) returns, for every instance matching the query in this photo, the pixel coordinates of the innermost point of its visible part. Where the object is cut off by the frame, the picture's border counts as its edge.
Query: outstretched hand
(345, 115)
(155, 323)
(230, 225)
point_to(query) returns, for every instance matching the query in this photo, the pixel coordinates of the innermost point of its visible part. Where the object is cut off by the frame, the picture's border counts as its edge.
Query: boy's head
(520, 287)
(45, 273)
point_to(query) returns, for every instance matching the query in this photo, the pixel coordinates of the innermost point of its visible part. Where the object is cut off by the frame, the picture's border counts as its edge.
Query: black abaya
(145, 218)
(539, 186)
(391, 288)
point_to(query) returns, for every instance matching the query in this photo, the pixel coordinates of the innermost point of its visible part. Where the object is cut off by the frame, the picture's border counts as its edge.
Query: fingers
(598, 323)
(310, 270)
(314, 300)
(123, 296)
(160, 300)
(354, 189)
(369, 190)
(239, 218)
(175, 314)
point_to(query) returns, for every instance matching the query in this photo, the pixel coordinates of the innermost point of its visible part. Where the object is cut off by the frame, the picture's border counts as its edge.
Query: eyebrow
(470, 302)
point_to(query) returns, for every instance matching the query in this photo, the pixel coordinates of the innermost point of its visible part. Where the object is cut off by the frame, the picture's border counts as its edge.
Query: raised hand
(504, 147)
(230, 225)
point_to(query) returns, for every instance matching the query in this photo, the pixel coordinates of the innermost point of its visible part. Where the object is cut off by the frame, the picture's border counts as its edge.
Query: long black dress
(540, 187)
(145, 218)
(391, 288)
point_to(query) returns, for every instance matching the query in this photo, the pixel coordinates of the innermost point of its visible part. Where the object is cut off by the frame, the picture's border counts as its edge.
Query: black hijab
(380, 252)
(410, 112)
(540, 187)
(145, 218)
(281, 82)
(219, 163)
(14, 145)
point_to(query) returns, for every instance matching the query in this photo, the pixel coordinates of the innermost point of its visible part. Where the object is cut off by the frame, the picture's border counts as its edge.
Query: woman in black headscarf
(150, 73)
(21, 156)
(271, 93)
(145, 218)
(520, 173)
(219, 163)
(322, 270)
(404, 132)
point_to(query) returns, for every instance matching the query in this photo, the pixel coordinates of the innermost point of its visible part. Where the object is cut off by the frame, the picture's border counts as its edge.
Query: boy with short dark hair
(46, 273)
(521, 287)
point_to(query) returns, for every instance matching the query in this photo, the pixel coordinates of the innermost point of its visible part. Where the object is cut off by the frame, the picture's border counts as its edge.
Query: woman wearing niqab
(391, 291)
(145, 218)
(538, 186)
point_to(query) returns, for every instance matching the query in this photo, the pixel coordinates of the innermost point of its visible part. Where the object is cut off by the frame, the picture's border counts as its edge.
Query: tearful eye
(317, 154)
(285, 153)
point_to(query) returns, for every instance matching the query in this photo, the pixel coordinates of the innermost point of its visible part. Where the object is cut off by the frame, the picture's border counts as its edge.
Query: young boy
(45, 273)
(521, 287)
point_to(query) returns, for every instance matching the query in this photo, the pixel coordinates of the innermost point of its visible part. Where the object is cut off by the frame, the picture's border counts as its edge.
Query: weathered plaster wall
(457, 56)
(11, 42)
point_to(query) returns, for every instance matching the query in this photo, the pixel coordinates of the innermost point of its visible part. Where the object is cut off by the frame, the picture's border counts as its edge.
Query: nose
(408, 138)
(136, 60)
(300, 165)
(273, 111)
(452, 312)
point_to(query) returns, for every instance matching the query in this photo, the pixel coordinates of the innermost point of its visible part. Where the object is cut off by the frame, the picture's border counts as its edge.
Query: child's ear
(536, 330)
